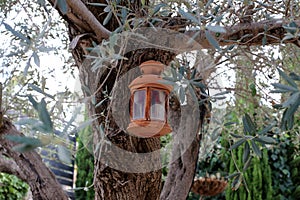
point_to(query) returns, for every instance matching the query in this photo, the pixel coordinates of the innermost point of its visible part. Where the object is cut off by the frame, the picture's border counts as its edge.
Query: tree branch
(29, 167)
(185, 148)
(181, 173)
(248, 34)
(9, 166)
(80, 9)
(82, 17)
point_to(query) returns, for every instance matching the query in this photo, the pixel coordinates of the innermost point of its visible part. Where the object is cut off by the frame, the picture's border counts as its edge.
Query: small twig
(102, 84)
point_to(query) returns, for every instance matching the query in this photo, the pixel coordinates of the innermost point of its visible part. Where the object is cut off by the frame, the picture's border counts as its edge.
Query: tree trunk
(185, 122)
(181, 174)
(113, 179)
(29, 167)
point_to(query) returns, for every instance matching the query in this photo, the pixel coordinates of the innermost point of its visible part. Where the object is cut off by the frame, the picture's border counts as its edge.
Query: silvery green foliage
(33, 32)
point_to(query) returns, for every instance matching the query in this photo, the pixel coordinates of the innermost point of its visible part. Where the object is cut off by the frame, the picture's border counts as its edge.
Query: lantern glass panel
(139, 102)
(157, 108)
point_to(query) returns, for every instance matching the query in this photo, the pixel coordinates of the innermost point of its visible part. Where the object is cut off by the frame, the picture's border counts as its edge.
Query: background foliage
(12, 188)
(85, 170)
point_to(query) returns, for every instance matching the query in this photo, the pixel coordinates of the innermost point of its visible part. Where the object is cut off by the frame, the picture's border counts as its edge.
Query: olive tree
(106, 40)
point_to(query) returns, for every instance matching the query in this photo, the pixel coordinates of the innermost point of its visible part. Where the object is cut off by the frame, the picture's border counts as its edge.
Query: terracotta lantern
(149, 102)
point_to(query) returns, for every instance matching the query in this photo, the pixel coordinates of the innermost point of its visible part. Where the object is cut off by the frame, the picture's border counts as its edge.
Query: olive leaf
(256, 149)
(237, 144)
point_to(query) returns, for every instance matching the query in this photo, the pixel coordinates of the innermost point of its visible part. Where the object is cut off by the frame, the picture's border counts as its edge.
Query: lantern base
(146, 129)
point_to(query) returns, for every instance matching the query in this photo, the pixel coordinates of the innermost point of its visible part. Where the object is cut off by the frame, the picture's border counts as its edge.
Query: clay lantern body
(149, 102)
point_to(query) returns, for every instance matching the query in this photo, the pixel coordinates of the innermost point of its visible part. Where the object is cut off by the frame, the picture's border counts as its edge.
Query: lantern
(149, 102)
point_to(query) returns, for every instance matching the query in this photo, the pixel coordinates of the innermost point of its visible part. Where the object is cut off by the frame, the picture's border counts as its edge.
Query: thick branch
(80, 9)
(29, 167)
(181, 174)
(9, 166)
(82, 17)
(248, 34)
(186, 142)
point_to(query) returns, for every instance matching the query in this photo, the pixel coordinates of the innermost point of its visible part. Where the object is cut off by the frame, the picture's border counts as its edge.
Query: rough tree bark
(110, 183)
(28, 166)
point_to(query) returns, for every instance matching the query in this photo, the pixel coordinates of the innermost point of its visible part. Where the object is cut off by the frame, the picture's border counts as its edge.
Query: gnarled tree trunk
(110, 182)
(85, 29)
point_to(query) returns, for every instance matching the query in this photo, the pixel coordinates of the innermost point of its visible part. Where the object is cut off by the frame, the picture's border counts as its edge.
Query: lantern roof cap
(152, 67)
(151, 71)
(149, 80)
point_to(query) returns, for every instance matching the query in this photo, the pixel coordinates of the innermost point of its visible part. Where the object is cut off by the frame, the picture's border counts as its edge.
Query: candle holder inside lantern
(149, 102)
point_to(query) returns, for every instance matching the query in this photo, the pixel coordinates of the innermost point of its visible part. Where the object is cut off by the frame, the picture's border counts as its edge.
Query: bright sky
(51, 65)
(57, 80)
